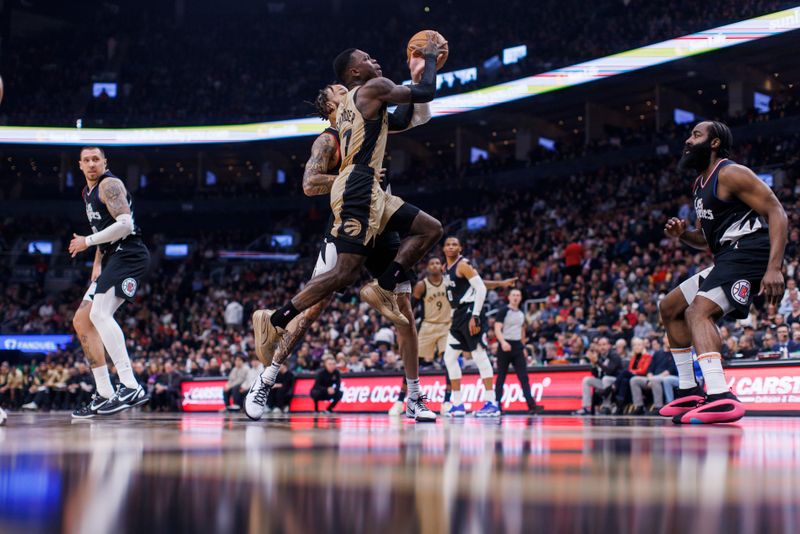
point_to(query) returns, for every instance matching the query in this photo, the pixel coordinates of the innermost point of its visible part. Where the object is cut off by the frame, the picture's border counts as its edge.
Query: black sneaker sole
(142, 401)
(90, 416)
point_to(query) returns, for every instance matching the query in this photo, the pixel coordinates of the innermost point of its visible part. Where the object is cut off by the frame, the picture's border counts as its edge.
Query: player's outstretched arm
(494, 284)
(315, 181)
(742, 183)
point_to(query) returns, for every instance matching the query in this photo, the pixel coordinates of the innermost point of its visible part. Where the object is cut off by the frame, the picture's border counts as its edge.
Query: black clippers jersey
(333, 168)
(723, 222)
(97, 212)
(459, 290)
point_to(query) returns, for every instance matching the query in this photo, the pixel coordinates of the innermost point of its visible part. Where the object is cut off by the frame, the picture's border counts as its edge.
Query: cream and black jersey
(724, 222)
(99, 216)
(436, 307)
(363, 141)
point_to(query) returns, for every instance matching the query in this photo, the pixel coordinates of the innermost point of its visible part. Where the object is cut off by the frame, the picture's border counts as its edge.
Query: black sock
(393, 276)
(282, 317)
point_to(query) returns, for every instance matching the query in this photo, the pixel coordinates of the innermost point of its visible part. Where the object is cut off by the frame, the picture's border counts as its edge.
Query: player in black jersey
(744, 226)
(120, 263)
(466, 293)
(317, 180)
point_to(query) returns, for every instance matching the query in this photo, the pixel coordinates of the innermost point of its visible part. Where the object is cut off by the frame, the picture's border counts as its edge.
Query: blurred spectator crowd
(190, 65)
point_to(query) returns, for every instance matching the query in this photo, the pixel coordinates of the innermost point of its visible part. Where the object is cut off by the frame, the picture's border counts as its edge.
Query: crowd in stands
(195, 68)
(589, 252)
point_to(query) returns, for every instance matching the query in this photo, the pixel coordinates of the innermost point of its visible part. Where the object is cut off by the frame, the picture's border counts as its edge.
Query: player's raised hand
(772, 286)
(416, 64)
(78, 244)
(675, 227)
(508, 282)
(431, 47)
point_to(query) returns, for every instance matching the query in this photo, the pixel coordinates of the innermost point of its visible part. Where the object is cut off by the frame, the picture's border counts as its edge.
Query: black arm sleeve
(400, 118)
(425, 90)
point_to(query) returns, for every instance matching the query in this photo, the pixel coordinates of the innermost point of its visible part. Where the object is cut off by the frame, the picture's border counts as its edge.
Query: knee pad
(483, 363)
(451, 362)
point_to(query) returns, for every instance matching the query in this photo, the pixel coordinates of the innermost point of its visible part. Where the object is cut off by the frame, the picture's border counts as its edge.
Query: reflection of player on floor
(744, 226)
(120, 263)
(317, 180)
(466, 293)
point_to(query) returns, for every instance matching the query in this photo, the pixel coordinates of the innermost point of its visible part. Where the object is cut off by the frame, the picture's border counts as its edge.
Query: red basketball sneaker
(686, 400)
(717, 408)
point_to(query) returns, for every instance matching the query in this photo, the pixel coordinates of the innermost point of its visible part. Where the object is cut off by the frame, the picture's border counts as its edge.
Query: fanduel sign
(35, 343)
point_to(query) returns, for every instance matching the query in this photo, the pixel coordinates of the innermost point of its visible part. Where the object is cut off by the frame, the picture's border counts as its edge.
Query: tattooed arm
(315, 179)
(114, 196)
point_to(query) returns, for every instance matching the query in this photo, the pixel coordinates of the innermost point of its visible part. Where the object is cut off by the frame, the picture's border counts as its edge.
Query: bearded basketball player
(120, 263)
(744, 226)
(362, 210)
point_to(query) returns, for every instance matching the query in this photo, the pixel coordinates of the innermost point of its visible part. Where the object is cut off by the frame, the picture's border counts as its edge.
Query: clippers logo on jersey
(702, 213)
(129, 286)
(351, 227)
(740, 291)
(91, 214)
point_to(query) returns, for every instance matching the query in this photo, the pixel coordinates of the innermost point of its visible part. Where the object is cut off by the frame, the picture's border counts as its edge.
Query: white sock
(102, 317)
(711, 364)
(413, 388)
(455, 398)
(489, 396)
(103, 382)
(271, 373)
(685, 365)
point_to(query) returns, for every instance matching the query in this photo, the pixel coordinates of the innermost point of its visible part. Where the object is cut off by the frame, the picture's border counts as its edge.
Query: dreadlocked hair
(321, 103)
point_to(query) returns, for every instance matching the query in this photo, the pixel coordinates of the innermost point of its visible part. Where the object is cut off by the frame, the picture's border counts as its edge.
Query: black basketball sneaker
(123, 399)
(89, 410)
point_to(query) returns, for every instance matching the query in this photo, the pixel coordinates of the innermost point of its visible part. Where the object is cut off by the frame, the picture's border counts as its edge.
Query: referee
(509, 328)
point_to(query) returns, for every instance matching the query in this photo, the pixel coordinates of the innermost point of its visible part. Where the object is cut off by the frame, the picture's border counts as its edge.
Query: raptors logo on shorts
(129, 286)
(352, 227)
(740, 291)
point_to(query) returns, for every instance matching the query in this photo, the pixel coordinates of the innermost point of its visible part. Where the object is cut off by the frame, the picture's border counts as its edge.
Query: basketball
(1, 89)
(420, 39)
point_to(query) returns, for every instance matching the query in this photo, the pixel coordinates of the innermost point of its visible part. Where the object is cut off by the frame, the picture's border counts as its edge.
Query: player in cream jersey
(361, 209)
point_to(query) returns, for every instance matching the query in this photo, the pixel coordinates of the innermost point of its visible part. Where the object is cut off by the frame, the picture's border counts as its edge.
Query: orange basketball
(420, 39)
(1, 89)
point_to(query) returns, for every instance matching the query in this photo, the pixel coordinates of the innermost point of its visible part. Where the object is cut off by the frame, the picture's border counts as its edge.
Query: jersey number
(439, 304)
(346, 136)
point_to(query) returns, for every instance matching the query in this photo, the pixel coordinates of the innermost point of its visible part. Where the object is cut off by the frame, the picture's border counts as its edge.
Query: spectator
(661, 379)
(606, 366)
(280, 396)
(234, 312)
(638, 365)
(232, 391)
(327, 385)
(166, 389)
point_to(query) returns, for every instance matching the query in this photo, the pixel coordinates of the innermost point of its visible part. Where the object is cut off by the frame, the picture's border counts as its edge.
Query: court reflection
(374, 474)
